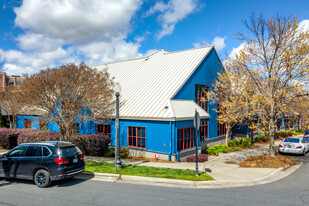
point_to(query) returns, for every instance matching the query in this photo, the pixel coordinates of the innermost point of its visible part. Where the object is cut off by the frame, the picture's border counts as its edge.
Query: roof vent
(166, 107)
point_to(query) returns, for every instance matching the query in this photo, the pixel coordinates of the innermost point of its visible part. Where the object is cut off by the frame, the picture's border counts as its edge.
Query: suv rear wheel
(42, 178)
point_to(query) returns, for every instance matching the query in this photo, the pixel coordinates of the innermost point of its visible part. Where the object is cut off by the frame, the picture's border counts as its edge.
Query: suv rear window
(70, 151)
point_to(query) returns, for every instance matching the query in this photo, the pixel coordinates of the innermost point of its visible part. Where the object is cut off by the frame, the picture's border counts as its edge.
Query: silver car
(294, 146)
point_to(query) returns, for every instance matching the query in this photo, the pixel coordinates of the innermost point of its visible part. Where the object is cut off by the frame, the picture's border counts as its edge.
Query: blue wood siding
(88, 127)
(158, 134)
(205, 74)
(34, 121)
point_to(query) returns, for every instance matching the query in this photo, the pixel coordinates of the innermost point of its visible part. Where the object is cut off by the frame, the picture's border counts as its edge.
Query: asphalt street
(292, 190)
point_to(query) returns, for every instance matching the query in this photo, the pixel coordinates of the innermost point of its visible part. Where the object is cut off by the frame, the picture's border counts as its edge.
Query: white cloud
(116, 49)
(150, 52)
(200, 44)
(304, 24)
(171, 13)
(235, 51)
(218, 43)
(31, 61)
(38, 42)
(59, 31)
(77, 21)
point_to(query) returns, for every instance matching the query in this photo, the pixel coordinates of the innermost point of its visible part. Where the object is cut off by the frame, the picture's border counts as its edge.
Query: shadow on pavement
(10, 181)
(72, 181)
(59, 183)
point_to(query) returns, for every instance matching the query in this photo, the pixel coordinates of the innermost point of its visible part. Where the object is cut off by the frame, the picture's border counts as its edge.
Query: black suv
(42, 162)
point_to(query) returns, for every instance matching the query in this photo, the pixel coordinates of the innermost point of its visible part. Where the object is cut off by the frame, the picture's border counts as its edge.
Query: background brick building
(6, 80)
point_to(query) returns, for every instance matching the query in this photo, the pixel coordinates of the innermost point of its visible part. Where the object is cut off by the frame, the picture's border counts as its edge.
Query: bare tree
(275, 62)
(10, 103)
(69, 93)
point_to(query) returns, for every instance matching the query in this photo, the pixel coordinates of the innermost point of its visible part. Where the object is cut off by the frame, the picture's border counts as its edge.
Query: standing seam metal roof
(149, 83)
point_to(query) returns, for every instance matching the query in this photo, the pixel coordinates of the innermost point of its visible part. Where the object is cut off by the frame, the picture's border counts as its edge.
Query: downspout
(172, 151)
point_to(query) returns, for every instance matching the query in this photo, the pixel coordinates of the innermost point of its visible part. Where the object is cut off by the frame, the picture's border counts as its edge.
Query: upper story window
(200, 96)
(11, 83)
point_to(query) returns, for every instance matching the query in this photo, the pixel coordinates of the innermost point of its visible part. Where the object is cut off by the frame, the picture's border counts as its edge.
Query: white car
(294, 146)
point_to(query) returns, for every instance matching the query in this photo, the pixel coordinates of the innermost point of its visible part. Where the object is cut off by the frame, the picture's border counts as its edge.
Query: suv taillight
(60, 161)
(299, 147)
(280, 145)
(82, 157)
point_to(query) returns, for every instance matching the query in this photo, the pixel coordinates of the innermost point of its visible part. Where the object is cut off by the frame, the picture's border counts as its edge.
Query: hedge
(8, 138)
(90, 144)
(200, 158)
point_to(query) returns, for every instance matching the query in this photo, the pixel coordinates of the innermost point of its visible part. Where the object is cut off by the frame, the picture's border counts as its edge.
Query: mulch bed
(149, 159)
(266, 161)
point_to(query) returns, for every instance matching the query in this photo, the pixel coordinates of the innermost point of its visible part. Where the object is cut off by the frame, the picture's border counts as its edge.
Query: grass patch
(145, 171)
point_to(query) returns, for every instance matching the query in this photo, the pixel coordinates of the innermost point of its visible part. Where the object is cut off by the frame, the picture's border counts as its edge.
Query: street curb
(272, 176)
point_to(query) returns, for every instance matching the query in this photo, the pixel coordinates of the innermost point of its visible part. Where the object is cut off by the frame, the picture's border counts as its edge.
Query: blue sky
(36, 34)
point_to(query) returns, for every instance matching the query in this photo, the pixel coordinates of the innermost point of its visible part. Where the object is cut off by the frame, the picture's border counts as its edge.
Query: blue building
(159, 96)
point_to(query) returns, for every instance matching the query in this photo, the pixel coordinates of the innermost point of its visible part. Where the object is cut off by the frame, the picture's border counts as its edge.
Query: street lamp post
(118, 163)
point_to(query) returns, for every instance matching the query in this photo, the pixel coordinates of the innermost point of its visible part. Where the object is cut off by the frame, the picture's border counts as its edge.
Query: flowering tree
(233, 107)
(275, 64)
(68, 93)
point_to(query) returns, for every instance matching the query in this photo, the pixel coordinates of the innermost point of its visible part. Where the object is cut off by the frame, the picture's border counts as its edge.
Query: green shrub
(216, 149)
(246, 143)
(233, 143)
(240, 141)
(294, 133)
(124, 152)
(300, 130)
(278, 133)
(257, 139)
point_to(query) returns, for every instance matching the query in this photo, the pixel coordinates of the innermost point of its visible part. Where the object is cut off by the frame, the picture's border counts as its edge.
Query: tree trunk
(62, 133)
(271, 137)
(227, 136)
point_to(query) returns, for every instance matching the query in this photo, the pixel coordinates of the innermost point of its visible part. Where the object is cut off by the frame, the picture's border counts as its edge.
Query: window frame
(191, 138)
(136, 137)
(11, 83)
(198, 97)
(27, 122)
(203, 127)
(221, 129)
(104, 132)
